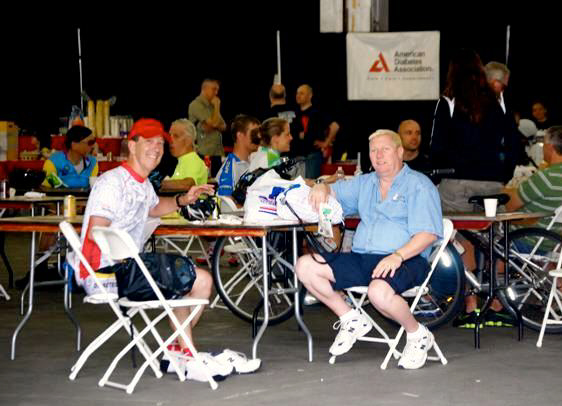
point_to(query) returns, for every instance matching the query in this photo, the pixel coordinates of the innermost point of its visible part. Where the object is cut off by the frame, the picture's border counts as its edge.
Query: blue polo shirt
(411, 206)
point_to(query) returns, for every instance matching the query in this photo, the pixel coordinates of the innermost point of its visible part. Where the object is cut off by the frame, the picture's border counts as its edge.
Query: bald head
(410, 134)
(304, 96)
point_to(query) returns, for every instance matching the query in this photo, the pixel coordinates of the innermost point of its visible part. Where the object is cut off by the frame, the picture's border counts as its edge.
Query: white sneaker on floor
(352, 329)
(195, 370)
(415, 351)
(238, 360)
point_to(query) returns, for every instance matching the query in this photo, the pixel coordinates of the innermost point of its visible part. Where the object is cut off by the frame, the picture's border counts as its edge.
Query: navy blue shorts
(353, 269)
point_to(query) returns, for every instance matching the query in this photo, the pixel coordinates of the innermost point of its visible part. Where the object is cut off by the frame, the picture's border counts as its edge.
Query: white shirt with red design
(124, 198)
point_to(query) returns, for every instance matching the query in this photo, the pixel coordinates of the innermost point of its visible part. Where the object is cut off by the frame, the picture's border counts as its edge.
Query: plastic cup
(490, 206)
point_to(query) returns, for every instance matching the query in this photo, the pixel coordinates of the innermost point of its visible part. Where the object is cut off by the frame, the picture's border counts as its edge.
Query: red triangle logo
(380, 65)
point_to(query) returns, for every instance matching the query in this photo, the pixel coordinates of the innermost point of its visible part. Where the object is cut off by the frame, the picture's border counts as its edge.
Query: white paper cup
(490, 206)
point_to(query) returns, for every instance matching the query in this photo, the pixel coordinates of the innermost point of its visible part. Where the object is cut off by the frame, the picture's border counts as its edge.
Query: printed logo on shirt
(380, 65)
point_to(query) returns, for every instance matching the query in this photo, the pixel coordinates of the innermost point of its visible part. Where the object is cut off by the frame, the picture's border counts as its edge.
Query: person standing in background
(204, 112)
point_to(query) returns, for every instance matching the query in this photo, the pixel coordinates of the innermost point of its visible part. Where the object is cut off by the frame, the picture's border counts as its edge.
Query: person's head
(182, 133)
(410, 134)
(467, 84)
(304, 95)
(146, 145)
(210, 88)
(80, 140)
(275, 133)
(386, 153)
(552, 148)
(245, 131)
(277, 93)
(539, 111)
(497, 75)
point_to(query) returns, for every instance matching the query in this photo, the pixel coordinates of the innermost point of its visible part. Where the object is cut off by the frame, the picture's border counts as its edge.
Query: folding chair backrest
(447, 233)
(118, 244)
(72, 237)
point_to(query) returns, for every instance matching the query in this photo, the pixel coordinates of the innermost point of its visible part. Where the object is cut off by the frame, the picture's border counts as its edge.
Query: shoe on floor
(238, 361)
(498, 319)
(195, 370)
(414, 354)
(467, 320)
(349, 331)
(176, 352)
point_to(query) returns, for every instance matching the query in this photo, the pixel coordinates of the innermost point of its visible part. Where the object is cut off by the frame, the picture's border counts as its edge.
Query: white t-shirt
(123, 197)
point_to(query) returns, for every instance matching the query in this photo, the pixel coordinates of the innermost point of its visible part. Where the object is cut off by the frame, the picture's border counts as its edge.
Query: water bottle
(358, 167)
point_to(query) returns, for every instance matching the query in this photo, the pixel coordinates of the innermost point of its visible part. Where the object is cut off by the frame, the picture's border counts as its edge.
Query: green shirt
(191, 166)
(543, 192)
(207, 143)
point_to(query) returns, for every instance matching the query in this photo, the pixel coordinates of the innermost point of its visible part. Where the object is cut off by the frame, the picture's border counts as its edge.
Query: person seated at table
(245, 135)
(75, 166)
(275, 139)
(401, 217)
(123, 198)
(541, 192)
(191, 169)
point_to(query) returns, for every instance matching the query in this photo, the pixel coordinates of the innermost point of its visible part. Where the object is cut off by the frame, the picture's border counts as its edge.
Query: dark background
(154, 59)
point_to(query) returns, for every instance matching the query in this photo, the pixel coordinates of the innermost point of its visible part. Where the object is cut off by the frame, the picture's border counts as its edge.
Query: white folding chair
(416, 292)
(551, 316)
(103, 297)
(3, 292)
(119, 245)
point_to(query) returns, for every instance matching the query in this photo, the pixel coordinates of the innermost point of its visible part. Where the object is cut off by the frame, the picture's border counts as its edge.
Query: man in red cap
(124, 198)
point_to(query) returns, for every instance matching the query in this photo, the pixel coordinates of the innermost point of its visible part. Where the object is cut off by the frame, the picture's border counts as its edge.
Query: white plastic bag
(261, 204)
(297, 198)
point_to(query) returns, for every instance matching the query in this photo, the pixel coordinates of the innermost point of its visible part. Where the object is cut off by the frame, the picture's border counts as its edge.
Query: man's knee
(380, 293)
(307, 268)
(202, 285)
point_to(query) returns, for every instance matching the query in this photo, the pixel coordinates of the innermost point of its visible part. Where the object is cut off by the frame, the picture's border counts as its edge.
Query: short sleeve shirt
(191, 166)
(123, 197)
(229, 174)
(264, 157)
(411, 206)
(207, 143)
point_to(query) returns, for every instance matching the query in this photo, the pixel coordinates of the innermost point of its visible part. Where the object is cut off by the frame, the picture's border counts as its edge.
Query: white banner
(393, 66)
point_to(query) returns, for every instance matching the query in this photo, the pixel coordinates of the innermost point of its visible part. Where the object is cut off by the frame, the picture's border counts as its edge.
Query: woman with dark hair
(275, 139)
(472, 135)
(75, 165)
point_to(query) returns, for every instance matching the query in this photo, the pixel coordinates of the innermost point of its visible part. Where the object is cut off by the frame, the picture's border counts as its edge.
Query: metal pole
(278, 56)
(507, 35)
(80, 69)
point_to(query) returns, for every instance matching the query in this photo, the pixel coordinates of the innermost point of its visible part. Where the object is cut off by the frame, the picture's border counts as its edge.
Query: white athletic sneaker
(415, 351)
(238, 360)
(196, 370)
(352, 329)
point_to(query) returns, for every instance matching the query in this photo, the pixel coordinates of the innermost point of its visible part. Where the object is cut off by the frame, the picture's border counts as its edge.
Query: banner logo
(380, 65)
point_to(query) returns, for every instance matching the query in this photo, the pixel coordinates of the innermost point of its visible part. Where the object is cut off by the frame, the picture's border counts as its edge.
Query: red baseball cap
(148, 128)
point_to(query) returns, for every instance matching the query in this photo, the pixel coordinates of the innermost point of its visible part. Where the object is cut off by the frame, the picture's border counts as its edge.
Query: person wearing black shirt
(410, 134)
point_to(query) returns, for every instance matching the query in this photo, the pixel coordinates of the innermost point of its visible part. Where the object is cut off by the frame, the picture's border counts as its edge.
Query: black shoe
(467, 320)
(498, 319)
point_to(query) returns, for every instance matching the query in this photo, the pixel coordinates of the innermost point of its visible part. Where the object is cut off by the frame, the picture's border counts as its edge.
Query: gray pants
(455, 193)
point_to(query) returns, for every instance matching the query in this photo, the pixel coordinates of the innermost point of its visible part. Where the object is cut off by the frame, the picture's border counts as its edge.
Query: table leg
(512, 309)
(297, 298)
(491, 290)
(67, 301)
(265, 298)
(6, 261)
(30, 301)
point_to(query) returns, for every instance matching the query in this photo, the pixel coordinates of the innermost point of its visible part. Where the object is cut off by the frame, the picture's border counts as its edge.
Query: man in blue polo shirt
(401, 217)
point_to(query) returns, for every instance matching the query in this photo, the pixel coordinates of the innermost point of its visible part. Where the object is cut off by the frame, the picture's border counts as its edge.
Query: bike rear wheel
(533, 252)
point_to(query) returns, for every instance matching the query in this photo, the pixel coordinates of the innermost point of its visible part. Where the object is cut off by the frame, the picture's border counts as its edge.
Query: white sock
(416, 335)
(349, 315)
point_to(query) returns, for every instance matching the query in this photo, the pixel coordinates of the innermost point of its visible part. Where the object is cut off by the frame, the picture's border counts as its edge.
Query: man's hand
(388, 264)
(194, 192)
(319, 194)
(321, 144)
(216, 102)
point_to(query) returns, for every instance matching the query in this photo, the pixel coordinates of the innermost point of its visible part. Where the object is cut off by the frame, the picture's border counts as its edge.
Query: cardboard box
(8, 141)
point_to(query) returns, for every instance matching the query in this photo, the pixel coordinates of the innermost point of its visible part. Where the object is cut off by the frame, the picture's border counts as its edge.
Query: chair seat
(408, 293)
(101, 298)
(156, 304)
(556, 273)
(237, 248)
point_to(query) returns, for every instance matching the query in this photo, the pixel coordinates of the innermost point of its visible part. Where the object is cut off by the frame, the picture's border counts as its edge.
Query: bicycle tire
(445, 296)
(530, 284)
(240, 287)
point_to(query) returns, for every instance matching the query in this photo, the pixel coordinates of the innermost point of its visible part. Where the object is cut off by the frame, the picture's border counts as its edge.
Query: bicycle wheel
(533, 252)
(445, 296)
(241, 286)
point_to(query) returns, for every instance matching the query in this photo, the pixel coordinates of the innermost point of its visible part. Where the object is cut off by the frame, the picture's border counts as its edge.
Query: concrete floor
(503, 372)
